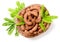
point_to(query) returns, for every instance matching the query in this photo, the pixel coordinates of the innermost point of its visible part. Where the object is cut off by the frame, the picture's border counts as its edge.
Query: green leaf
(45, 17)
(16, 34)
(21, 23)
(9, 20)
(20, 17)
(22, 6)
(46, 13)
(7, 24)
(10, 10)
(42, 26)
(52, 17)
(18, 4)
(14, 13)
(42, 10)
(49, 19)
(11, 29)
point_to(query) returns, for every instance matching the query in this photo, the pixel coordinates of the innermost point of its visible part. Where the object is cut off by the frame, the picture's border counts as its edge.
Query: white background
(52, 35)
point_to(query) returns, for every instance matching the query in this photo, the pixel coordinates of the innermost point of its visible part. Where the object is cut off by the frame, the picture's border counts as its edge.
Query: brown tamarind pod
(32, 18)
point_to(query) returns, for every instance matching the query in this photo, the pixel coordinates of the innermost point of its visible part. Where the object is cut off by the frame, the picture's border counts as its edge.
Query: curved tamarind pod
(28, 27)
(25, 19)
(34, 28)
(34, 13)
